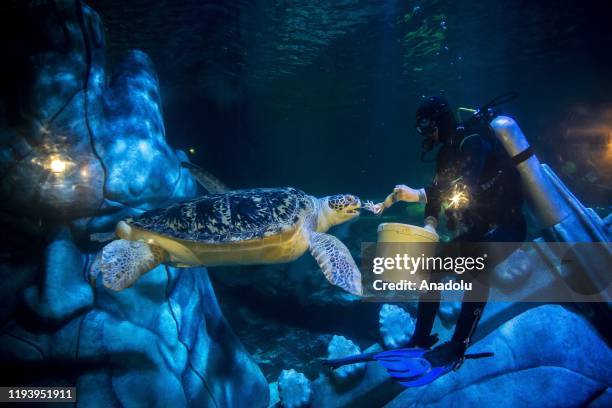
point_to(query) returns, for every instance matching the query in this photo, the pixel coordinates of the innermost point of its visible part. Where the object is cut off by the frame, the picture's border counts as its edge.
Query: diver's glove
(410, 195)
(376, 209)
(401, 192)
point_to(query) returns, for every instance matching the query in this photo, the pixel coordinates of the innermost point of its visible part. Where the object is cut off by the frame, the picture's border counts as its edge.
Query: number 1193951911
(37, 394)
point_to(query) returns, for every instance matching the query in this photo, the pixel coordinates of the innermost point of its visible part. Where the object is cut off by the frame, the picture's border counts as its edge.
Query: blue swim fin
(404, 364)
(408, 366)
(357, 358)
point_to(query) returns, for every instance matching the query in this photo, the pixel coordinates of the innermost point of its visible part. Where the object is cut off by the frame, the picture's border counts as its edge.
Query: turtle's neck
(323, 215)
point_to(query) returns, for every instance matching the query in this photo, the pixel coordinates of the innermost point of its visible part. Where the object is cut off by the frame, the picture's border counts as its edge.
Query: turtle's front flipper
(122, 262)
(336, 262)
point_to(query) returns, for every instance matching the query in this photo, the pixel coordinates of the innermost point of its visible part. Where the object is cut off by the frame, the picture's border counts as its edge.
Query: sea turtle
(240, 227)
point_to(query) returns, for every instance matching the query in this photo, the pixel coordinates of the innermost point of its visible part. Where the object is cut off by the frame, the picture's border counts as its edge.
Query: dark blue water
(320, 95)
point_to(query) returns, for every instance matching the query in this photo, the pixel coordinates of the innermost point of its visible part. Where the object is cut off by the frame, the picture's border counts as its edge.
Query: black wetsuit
(477, 161)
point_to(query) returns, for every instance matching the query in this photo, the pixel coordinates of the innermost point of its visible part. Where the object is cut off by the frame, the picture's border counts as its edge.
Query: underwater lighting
(191, 150)
(57, 165)
(458, 198)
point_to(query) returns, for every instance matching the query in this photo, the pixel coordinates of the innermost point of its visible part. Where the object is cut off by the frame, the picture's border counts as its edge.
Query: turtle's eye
(353, 200)
(344, 203)
(336, 202)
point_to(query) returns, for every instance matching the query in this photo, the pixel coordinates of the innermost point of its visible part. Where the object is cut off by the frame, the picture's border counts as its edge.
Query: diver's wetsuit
(479, 162)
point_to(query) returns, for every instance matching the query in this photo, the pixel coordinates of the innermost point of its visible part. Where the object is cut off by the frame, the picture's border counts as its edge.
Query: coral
(340, 347)
(294, 389)
(396, 326)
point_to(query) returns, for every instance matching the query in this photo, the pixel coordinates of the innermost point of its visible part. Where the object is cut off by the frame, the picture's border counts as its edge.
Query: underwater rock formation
(514, 271)
(72, 134)
(532, 363)
(396, 326)
(539, 361)
(340, 347)
(162, 343)
(78, 151)
(294, 389)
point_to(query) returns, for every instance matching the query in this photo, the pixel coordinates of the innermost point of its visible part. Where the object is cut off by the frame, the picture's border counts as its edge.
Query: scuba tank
(562, 218)
(546, 207)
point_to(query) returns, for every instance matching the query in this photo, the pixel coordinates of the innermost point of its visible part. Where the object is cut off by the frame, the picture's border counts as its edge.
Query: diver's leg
(429, 303)
(472, 306)
(470, 314)
(454, 350)
(426, 314)
(474, 301)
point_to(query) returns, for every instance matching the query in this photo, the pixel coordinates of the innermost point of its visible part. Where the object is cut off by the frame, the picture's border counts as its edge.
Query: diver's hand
(377, 209)
(404, 193)
(431, 229)
(431, 223)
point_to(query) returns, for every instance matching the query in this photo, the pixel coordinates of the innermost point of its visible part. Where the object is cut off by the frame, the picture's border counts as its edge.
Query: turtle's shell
(229, 217)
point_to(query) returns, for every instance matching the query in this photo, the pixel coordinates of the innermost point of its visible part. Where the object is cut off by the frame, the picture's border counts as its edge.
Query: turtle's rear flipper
(122, 262)
(336, 262)
(211, 183)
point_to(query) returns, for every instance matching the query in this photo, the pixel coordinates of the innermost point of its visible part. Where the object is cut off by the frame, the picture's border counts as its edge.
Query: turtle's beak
(355, 206)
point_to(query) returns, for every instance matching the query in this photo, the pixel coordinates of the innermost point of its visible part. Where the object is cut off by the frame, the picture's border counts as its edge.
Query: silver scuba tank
(562, 218)
(543, 200)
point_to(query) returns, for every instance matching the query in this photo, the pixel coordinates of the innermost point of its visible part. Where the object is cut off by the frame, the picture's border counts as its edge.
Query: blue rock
(92, 149)
(64, 291)
(545, 357)
(294, 389)
(340, 347)
(396, 326)
(164, 342)
(87, 153)
(514, 271)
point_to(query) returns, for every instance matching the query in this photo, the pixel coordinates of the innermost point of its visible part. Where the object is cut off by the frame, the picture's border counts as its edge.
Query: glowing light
(57, 165)
(458, 198)
(191, 150)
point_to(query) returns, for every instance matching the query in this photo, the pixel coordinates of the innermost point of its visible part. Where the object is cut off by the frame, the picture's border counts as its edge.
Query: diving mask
(426, 128)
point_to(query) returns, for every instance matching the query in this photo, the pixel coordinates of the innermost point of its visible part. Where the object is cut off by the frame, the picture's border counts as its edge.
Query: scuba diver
(473, 172)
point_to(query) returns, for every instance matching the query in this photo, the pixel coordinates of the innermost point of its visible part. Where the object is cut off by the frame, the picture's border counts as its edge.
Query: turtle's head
(337, 209)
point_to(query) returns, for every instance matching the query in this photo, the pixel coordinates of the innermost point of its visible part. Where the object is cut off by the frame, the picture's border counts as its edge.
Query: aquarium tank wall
(259, 203)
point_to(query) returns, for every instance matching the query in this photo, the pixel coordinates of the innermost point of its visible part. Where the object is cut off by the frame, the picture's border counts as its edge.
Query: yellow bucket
(403, 239)
(396, 232)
